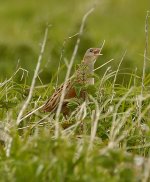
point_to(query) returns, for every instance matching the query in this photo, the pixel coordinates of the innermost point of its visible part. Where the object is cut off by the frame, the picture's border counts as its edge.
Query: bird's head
(91, 55)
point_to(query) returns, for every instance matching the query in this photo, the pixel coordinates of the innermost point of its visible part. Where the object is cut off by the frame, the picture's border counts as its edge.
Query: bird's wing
(53, 101)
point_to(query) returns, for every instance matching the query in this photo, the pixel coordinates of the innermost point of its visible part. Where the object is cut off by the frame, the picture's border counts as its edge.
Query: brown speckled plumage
(81, 76)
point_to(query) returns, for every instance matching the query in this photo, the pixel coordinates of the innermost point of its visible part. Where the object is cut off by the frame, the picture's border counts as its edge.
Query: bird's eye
(91, 50)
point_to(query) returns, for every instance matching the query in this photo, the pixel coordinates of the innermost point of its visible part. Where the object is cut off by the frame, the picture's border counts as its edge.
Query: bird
(82, 76)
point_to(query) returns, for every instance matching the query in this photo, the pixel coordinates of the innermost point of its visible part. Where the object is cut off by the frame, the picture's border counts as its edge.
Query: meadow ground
(104, 139)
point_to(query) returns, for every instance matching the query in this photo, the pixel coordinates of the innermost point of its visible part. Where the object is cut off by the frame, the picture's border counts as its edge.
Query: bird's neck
(90, 71)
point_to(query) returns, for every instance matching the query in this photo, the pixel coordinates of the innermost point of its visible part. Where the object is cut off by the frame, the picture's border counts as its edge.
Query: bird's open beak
(97, 52)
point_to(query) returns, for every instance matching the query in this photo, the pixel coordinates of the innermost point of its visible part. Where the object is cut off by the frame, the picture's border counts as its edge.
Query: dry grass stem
(25, 105)
(145, 50)
(113, 86)
(115, 114)
(103, 65)
(94, 122)
(69, 70)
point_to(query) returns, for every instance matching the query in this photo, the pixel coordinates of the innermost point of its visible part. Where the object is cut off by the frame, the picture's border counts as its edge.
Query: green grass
(104, 139)
(32, 152)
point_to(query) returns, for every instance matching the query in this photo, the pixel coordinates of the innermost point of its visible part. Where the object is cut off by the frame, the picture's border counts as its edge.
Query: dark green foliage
(23, 25)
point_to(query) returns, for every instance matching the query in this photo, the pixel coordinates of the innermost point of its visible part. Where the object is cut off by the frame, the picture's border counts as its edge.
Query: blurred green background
(119, 22)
